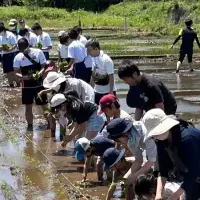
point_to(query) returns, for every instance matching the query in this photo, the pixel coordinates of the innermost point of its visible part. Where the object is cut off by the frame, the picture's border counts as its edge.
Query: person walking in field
(43, 39)
(188, 35)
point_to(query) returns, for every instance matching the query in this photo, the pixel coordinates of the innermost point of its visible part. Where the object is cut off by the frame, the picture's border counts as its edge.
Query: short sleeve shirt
(32, 39)
(83, 40)
(10, 39)
(150, 92)
(103, 65)
(77, 51)
(21, 61)
(137, 145)
(46, 40)
(101, 144)
(63, 50)
(85, 91)
(84, 113)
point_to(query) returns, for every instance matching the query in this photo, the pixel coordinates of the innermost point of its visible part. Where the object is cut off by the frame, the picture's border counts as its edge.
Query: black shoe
(191, 70)
(177, 71)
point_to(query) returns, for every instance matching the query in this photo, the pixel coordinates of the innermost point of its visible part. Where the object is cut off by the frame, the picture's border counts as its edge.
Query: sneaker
(191, 70)
(177, 71)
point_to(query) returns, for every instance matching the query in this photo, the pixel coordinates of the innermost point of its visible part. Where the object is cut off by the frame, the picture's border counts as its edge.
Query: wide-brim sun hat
(118, 127)
(112, 156)
(53, 79)
(158, 123)
(57, 100)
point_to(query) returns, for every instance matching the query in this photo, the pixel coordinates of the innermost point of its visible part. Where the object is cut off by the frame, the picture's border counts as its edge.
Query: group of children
(80, 91)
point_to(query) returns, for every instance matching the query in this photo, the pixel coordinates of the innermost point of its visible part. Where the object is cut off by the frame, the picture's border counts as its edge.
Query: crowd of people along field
(155, 154)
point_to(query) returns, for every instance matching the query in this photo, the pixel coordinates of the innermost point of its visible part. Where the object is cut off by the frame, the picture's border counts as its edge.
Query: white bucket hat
(53, 79)
(57, 100)
(157, 123)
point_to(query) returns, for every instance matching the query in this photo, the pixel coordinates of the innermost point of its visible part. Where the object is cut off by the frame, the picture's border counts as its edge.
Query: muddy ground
(32, 165)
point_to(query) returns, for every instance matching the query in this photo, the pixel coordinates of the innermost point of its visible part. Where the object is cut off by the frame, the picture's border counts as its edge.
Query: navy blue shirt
(188, 148)
(101, 144)
(150, 92)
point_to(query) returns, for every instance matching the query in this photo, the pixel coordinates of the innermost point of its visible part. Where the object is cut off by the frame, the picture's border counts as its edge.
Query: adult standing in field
(81, 38)
(103, 71)
(188, 35)
(27, 63)
(77, 54)
(62, 48)
(23, 26)
(8, 46)
(30, 36)
(146, 91)
(43, 39)
(13, 27)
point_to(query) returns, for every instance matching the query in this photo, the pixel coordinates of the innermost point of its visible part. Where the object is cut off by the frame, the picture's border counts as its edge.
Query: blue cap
(112, 156)
(118, 127)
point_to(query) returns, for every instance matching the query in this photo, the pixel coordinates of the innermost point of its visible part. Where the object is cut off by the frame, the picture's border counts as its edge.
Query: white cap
(12, 22)
(61, 33)
(53, 79)
(57, 100)
(83, 142)
(157, 122)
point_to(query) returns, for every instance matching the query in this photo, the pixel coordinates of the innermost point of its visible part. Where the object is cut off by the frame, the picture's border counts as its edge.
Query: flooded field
(34, 167)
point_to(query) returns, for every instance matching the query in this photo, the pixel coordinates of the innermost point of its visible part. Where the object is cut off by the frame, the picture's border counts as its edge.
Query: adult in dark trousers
(27, 64)
(89, 148)
(188, 35)
(178, 149)
(77, 54)
(43, 38)
(102, 71)
(146, 91)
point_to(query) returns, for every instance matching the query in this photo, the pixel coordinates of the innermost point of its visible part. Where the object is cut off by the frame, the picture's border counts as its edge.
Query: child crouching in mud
(145, 188)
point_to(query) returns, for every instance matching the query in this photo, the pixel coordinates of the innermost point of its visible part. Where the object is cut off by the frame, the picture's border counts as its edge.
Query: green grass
(143, 16)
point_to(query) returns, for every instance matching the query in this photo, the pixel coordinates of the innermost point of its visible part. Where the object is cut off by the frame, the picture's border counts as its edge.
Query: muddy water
(33, 166)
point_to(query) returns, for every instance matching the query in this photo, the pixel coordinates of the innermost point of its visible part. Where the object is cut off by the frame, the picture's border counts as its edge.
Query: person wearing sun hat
(116, 161)
(83, 114)
(178, 147)
(131, 134)
(60, 84)
(88, 148)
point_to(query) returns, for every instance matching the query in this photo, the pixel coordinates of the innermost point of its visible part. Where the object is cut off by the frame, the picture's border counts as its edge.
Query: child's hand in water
(158, 197)
(67, 139)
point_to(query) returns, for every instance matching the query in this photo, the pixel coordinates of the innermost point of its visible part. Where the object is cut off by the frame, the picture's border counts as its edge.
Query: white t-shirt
(21, 61)
(10, 39)
(103, 65)
(45, 39)
(83, 40)
(32, 39)
(85, 91)
(63, 50)
(88, 61)
(77, 51)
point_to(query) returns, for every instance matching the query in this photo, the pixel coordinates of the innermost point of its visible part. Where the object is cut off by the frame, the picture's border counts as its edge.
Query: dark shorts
(80, 71)
(46, 54)
(98, 96)
(182, 56)
(30, 93)
(7, 62)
